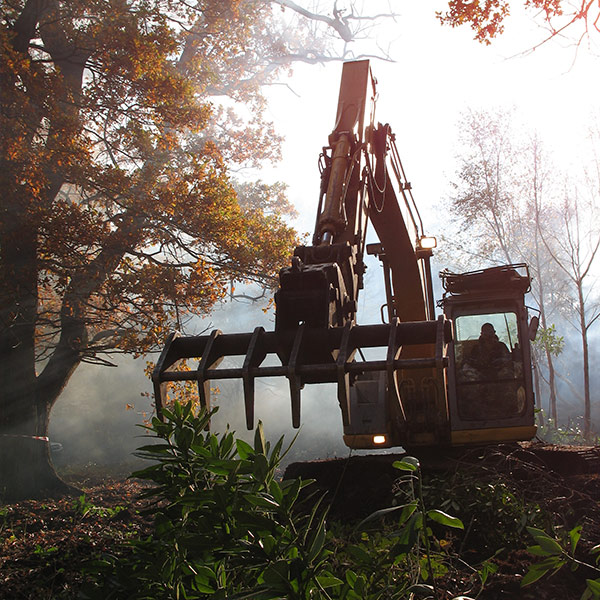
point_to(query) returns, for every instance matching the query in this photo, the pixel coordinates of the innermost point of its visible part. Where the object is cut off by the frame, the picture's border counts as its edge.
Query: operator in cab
(489, 356)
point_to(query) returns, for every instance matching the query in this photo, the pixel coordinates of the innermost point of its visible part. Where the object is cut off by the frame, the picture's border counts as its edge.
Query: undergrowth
(225, 527)
(495, 514)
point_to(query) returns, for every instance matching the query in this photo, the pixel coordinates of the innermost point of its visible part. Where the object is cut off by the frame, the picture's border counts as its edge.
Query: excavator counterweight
(461, 377)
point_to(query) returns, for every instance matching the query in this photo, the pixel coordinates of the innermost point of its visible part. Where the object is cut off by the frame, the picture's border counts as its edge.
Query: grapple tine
(255, 355)
(207, 361)
(393, 351)
(294, 378)
(343, 377)
(160, 387)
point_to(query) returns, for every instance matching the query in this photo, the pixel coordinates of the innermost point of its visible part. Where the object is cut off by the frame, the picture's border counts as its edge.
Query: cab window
(489, 366)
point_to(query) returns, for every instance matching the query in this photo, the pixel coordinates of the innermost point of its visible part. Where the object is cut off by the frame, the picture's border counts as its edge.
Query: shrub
(224, 526)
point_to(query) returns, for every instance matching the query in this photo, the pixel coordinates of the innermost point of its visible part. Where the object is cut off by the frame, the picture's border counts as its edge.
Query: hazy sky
(438, 73)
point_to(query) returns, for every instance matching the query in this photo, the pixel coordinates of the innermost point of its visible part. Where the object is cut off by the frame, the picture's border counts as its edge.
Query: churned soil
(44, 544)
(563, 482)
(564, 479)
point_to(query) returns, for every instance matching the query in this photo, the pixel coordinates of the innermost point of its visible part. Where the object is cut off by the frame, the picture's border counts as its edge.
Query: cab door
(490, 388)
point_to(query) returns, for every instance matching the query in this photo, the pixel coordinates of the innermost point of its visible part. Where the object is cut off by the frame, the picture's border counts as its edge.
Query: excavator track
(356, 486)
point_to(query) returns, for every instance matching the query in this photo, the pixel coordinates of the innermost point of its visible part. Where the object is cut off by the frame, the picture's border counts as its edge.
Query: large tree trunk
(26, 469)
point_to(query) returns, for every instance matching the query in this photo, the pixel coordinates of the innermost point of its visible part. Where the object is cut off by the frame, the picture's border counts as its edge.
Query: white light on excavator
(427, 243)
(379, 439)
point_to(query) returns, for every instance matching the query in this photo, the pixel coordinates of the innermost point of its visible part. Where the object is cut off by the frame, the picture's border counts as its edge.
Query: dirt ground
(44, 543)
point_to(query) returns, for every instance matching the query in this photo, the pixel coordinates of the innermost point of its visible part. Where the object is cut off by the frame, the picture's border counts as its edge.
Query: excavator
(415, 380)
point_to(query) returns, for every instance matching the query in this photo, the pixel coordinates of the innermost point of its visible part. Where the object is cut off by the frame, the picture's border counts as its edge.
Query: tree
(487, 17)
(547, 283)
(484, 197)
(119, 215)
(501, 199)
(573, 245)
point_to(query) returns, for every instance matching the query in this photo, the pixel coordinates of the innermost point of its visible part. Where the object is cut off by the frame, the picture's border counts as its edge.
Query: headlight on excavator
(427, 243)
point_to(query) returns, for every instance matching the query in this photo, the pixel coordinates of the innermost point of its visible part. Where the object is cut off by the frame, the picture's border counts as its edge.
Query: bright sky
(439, 72)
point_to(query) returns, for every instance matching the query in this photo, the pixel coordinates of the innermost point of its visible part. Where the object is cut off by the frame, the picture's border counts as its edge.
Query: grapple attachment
(295, 351)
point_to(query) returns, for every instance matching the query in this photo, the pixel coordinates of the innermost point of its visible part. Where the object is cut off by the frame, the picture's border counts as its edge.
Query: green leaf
(260, 445)
(408, 463)
(360, 585)
(201, 585)
(261, 467)
(574, 536)
(277, 575)
(535, 532)
(318, 540)
(199, 448)
(547, 543)
(291, 489)
(536, 551)
(408, 511)
(255, 521)
(226, 444)
(275, 458)
(351, 577)
(550, 546)
(329, 581)
(263, 501)
(383, 512)
(177, 409)
(538, 570)
(155, 448)
(409, 534)
(276, 492)
(487, 568)
(445, 519)
(533, 575)
(217, 469)
(244, 449)
(593, 585)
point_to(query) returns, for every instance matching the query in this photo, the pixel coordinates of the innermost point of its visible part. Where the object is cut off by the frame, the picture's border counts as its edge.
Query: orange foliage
(115, 161)
(487, 17)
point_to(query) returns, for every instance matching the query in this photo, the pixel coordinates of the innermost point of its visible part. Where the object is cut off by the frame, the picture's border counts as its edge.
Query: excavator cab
(490, 389)
(463, 377)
